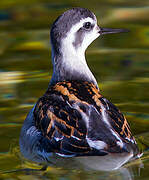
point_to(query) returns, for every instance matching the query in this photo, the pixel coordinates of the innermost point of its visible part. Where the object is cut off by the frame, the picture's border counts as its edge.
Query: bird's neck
(70, 64)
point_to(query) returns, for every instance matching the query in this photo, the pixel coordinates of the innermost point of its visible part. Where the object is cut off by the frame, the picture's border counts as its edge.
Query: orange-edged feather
(75, 118)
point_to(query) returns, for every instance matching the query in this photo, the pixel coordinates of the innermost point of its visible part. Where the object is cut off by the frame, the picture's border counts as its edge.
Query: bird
(73, 119)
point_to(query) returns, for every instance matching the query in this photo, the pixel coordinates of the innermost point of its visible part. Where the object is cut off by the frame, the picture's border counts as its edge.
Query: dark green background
(119, 62)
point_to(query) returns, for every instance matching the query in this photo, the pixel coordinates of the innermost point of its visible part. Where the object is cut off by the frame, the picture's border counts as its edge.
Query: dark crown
(63, 23)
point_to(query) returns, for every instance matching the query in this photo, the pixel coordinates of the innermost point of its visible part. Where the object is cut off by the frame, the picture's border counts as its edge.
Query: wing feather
(76, 117)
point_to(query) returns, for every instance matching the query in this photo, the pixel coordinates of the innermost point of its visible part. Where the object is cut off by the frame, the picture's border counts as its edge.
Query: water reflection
(70, 168)
(121, 65)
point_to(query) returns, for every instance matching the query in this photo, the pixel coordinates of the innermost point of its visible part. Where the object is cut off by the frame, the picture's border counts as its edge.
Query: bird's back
(76, 120)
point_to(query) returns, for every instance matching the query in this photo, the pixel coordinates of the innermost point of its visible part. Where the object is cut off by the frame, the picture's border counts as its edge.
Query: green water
(119, 62)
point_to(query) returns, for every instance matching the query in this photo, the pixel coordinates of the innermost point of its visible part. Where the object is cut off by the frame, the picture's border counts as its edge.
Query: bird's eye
(87, 25)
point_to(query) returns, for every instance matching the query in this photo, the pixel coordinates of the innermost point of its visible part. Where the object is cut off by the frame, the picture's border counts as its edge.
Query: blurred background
(120, 63)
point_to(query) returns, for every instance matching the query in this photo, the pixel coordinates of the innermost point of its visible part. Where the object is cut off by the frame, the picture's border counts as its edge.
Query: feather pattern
(72, 118)
(77, 120)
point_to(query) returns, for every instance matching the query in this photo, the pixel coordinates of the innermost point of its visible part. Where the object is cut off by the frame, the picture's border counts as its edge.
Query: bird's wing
(117, 120)
(76, 120)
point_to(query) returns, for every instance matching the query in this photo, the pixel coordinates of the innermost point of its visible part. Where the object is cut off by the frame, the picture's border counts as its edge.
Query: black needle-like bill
(111, 31)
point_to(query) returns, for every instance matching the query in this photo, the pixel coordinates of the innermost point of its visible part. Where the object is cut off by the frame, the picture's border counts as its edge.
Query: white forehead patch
(70, 35)
(78, 25)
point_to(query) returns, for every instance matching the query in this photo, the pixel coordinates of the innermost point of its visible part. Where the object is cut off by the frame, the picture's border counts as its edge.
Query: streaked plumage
(72, 118)
(68, 116)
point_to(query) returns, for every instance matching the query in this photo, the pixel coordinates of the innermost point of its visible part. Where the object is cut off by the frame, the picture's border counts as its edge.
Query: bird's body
(72, 119)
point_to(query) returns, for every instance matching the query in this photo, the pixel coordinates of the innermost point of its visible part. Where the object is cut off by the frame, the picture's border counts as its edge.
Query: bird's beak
(111, 31)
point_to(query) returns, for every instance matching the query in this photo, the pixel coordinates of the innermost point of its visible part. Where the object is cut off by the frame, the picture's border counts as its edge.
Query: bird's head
(76, 29)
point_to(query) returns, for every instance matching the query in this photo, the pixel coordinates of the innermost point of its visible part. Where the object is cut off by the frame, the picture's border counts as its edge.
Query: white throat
(72, 66)
(71, 63)
(74, 59)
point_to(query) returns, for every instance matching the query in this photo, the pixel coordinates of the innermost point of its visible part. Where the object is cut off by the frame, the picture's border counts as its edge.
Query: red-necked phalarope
(72, 119)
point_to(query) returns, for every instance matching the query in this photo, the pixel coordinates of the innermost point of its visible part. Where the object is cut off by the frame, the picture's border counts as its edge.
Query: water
(119, 62)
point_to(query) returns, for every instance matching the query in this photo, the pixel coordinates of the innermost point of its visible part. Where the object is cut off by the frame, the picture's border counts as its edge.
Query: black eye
(87, 25)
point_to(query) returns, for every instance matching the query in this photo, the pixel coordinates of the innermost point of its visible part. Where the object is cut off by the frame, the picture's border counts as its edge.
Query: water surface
(119, 62)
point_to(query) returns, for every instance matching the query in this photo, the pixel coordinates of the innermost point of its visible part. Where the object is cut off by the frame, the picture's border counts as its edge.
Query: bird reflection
(100, 168)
